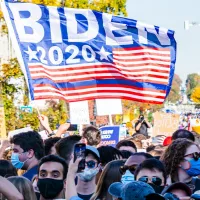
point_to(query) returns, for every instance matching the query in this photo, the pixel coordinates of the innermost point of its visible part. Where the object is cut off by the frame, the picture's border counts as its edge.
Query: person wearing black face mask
(152, 171)
(52, 172)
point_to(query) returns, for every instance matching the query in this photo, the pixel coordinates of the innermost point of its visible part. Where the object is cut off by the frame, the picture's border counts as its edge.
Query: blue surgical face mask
(194, 169)
(127, 177)
(16, 162)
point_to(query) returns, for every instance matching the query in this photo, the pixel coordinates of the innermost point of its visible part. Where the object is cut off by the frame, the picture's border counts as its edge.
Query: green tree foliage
(27, 119)
(174, 94)
(10, 71)
(56, 112)
(13, 86)
(116, 7)
(11, 79)
(193, 80)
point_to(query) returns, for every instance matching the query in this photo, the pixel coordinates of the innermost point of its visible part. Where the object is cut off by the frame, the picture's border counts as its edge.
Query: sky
(171, 14)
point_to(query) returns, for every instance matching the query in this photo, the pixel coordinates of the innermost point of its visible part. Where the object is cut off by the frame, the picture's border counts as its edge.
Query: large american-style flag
(93, 69)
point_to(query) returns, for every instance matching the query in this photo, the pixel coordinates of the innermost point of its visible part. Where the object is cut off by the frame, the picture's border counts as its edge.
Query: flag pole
(36, 107)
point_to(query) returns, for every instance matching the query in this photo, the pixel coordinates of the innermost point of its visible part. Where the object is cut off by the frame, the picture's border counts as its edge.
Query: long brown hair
(24, 186)
(173, 156)
(109, 175)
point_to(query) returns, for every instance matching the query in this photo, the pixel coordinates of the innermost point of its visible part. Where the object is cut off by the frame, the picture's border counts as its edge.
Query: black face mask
(158, 189)
(50, 188)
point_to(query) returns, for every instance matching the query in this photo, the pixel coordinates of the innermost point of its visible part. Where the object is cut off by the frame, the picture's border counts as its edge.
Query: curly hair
(92, 135)
(173, 155)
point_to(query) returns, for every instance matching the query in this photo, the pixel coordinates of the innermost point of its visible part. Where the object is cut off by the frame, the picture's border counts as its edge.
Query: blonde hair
(24, 186)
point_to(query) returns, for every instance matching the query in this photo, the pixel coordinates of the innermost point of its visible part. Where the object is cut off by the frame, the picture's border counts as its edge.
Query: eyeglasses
(155, 180)
(195, 155)
(90, 164)
(131, 168)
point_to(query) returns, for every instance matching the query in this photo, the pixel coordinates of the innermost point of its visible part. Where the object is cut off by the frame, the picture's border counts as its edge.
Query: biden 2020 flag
(80, 54)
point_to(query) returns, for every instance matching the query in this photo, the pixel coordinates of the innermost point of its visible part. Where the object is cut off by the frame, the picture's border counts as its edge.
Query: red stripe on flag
(99, 91)
(101, 85)
(104, 66)
(141, 54)
(99, 77)
(114, 68)
(101, 72)
(141, 48)
(101, 97)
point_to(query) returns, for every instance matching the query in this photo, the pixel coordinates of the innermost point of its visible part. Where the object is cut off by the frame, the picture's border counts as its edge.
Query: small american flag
(96, 68)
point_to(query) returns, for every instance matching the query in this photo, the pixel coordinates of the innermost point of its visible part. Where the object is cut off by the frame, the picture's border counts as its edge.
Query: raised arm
(70, 193)
(9, 190)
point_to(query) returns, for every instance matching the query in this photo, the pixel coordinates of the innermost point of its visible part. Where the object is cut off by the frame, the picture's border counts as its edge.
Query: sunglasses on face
(195, 155)
(90, 164)
(155, 180)
(131, 168)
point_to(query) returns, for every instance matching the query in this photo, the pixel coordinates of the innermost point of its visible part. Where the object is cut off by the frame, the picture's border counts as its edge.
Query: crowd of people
(189, 120)
(33, 169)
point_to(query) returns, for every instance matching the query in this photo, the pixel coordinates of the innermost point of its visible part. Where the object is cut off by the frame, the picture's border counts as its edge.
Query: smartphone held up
(79, 152)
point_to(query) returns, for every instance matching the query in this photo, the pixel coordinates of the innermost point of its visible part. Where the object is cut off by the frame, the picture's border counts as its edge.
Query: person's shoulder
(31, 172)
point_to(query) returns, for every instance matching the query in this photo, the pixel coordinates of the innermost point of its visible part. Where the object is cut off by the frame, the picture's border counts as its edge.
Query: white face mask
(127, 177)
(88, 174)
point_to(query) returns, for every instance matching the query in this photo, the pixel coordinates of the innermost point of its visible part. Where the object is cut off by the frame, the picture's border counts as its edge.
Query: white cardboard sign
(108, 106)
(17, 131)
(79, 112)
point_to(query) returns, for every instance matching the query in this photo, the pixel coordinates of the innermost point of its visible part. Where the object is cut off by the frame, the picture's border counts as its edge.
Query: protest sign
(79, 112)
(43, 135)
(2, 123)
(165, 123)
(108, 106)
(101, 57)
(122, 132)
(111, 135)
(17, 131)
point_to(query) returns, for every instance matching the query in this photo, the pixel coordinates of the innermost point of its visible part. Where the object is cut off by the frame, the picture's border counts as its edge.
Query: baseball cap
(178, 185)
(92, 150)
(167, 141)
(133, 190)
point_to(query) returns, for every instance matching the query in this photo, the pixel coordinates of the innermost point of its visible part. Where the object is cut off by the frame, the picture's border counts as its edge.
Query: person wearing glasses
(86, 180)
(130, 166)
(182, 163)
(152, 171)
